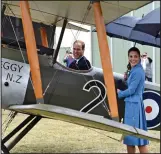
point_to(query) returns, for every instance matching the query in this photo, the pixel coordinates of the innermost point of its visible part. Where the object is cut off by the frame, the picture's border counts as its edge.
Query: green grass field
(53, 136)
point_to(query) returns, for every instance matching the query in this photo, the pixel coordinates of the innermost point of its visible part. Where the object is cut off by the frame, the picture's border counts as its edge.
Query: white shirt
(147, 67)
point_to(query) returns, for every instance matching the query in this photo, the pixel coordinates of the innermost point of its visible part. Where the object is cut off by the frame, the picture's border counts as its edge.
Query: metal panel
(15, 76)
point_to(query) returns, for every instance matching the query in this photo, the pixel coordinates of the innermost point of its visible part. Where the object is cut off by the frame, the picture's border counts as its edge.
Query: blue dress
(134, 107)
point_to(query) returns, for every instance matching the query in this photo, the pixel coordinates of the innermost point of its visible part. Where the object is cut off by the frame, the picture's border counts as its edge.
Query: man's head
(78, 49)
(144, 55)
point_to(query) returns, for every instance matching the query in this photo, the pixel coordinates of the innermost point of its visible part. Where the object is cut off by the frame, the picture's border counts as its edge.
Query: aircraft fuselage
(79, 90)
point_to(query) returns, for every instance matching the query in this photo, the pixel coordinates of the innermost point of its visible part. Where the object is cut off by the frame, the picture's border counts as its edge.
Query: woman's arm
(135, 79)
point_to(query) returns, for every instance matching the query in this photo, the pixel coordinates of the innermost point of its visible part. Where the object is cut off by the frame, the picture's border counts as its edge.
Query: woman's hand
(118, 90)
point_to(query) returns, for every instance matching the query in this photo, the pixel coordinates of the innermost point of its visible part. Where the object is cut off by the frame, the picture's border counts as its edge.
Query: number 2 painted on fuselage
(99, 99)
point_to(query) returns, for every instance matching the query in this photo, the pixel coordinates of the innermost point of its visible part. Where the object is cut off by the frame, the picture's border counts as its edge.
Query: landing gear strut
(33, 121)
(4, 150)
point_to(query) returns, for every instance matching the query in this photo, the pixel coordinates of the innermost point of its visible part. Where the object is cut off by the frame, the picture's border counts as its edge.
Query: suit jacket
(82, 64)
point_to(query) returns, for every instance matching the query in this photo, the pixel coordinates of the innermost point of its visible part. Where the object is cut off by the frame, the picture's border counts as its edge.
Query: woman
(134, 108)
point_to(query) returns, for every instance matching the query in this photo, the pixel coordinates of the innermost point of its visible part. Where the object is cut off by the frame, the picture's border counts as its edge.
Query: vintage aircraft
(56, 91)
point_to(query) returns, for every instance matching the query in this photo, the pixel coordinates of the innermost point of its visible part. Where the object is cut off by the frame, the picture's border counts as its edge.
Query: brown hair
(79, 41)
(134, 49)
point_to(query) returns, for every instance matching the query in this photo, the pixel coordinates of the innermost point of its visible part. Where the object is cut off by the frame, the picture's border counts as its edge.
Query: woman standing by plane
(134, 107)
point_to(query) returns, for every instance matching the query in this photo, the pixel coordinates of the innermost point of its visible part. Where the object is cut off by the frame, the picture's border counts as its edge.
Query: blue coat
(134, 107)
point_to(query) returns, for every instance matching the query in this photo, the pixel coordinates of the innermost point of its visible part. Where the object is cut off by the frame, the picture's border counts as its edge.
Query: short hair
(79, 41)
(134, 49)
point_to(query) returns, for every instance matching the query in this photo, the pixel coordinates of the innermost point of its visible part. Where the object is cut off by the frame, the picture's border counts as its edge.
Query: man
(80, 62)
(146, 63)
(68, 59)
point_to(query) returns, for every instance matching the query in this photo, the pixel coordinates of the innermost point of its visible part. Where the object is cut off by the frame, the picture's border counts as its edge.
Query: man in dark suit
(80, 62)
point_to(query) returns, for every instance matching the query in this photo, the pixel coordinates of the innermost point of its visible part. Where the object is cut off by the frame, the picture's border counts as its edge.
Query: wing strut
(2, 12)
(105, 59)
(60, 40)
(51, 42)
(31, 50)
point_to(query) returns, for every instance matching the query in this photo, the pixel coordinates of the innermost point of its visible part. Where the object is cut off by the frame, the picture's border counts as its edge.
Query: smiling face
(77, 50)
(134, 58)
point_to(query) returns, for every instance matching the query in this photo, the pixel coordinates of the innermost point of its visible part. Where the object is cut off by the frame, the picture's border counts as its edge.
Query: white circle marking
(155, 109)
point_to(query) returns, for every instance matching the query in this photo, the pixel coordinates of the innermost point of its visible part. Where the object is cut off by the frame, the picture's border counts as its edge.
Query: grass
(53, 136)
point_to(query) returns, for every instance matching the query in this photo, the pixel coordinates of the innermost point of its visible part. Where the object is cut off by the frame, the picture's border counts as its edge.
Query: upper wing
(50, 12)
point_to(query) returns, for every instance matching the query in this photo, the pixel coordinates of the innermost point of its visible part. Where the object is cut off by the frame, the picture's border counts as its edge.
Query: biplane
(34, 83)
